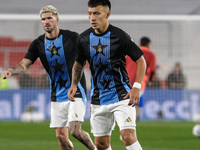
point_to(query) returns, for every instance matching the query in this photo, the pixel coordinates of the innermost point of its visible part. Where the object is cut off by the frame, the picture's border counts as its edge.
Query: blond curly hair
(49, 8)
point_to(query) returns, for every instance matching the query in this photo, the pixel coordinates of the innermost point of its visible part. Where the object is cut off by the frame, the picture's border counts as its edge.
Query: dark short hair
(144, 41)
(95, 3)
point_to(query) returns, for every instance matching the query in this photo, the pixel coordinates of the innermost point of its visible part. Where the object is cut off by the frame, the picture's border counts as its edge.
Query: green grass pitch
(153, 135)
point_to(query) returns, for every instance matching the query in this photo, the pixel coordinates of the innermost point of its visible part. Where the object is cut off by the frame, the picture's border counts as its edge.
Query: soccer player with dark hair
(131, 67)
(57, 50)
(105, 46)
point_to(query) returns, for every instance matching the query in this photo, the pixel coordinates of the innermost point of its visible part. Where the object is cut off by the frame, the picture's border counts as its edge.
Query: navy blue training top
(58, 56)
(106, 55)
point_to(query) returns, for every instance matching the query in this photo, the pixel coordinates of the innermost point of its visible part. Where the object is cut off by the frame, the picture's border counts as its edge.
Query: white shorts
(103, 117)
(64, 112)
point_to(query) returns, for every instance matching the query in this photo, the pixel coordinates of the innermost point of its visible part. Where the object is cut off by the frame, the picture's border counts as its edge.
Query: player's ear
(108, 15)
(57, 18)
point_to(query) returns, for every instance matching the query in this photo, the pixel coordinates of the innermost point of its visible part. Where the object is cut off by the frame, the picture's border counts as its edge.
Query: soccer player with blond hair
(56, 49)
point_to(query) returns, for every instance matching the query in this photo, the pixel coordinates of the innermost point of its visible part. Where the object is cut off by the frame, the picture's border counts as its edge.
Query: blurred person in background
(131, 67)
(57, 50)
(105, 46)
(176, 79)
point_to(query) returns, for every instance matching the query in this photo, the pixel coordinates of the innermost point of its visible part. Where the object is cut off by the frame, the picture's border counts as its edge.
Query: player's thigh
(76, 110)
(59, 114)
(125, 115)
(102, 120)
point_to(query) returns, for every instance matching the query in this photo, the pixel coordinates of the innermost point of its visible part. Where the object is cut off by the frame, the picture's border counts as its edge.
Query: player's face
(98, 17)
(49, 21)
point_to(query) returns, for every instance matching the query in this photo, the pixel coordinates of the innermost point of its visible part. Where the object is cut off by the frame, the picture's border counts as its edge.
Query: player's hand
(72, 92)
(134, 95)
(6, 74)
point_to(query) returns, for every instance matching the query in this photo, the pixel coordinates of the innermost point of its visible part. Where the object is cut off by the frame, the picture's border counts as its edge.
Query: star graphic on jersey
(101, 66)
(62, 82)
(54, 51)
(99, 48)
(57, 67)
(105, 84)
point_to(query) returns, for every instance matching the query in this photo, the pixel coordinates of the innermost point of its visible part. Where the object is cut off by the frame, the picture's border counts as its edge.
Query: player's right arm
(77, 73)
(18, 69)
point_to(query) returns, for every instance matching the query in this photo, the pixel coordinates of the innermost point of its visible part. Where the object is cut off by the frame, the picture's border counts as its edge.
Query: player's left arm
(134, 93)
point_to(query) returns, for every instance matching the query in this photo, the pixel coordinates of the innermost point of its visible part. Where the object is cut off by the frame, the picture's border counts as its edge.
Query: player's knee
(128, 140)
(102, 146)
(61, 137)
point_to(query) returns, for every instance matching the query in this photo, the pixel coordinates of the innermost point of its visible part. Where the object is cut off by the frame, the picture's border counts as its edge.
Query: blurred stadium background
(172, 25)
